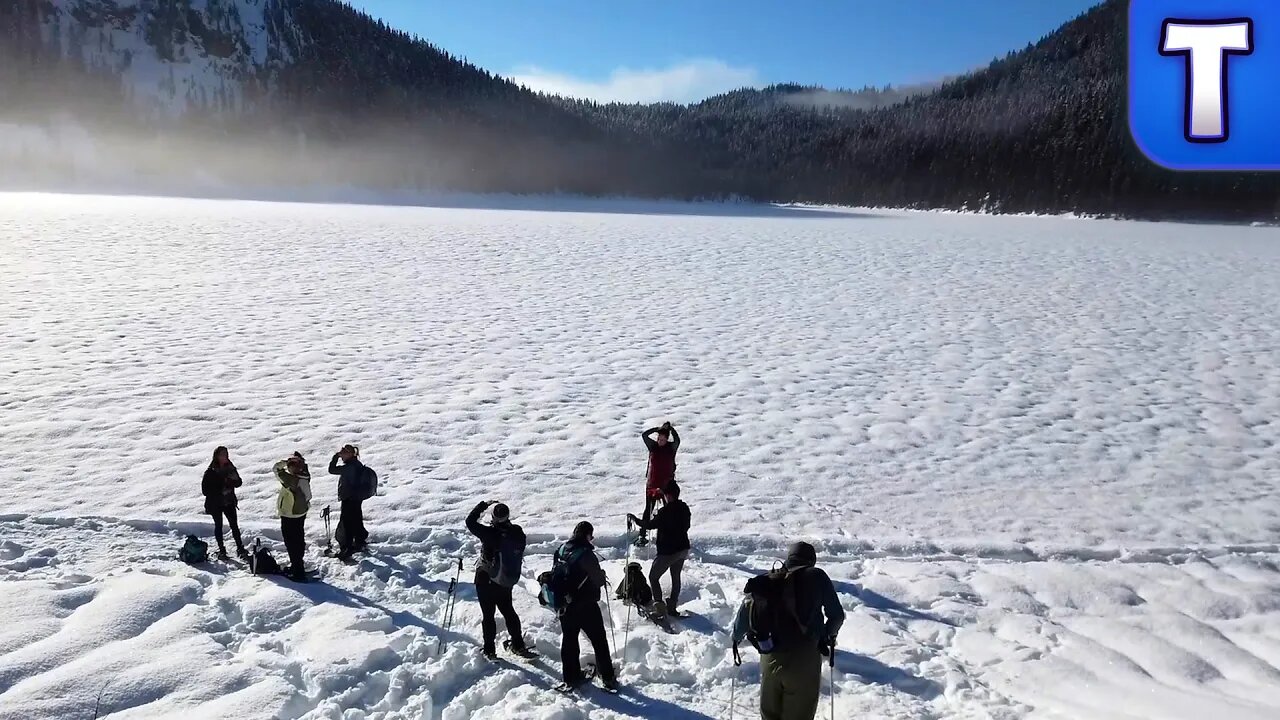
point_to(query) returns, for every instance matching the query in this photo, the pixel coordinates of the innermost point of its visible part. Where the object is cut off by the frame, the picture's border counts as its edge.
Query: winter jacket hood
(294, 499)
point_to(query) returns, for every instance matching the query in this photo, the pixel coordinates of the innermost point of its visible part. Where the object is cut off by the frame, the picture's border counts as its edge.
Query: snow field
(112, 615)
(1037, 455)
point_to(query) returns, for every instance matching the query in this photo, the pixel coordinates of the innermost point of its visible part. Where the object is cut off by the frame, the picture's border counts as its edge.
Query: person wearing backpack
(292, 503)
(219, 489)
(351, 494)
(498, 571)
(662, 443)
(783, 617)
(576, 561)
(672, 523)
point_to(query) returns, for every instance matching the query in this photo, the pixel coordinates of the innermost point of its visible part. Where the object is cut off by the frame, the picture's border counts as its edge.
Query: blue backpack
(556, 587)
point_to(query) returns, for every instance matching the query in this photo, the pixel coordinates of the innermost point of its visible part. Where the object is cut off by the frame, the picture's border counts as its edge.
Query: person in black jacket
(350, 496)
(219, 489)
(672, 523)
(791, 674)
(501, 552)
(582, 614)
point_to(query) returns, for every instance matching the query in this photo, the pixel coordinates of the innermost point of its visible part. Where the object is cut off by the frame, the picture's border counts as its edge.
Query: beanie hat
(501, 513)
(801, 555)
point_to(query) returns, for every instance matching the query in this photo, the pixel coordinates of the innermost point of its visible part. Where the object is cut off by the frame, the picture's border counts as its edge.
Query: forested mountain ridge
(289, 92)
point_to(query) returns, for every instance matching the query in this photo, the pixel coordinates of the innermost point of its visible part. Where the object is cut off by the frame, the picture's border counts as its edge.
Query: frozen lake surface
(1038, 455)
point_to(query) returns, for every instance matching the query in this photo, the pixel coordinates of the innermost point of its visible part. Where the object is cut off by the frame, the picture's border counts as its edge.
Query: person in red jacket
(662, 442)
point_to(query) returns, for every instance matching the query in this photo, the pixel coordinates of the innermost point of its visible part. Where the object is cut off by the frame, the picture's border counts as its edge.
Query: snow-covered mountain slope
(173, 56)
(1037, 455)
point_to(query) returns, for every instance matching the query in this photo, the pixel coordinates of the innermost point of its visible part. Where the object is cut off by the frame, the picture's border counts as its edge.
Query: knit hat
(501, 513)
(801, 555)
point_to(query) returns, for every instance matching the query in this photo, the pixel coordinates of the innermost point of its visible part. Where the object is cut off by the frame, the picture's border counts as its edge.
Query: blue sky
(686, 50)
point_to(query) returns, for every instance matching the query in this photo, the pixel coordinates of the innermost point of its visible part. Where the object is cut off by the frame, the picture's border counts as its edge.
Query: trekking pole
(831, 677)
(733, 686)
(626, 581)
(608, 599)
(328, 543)
(450, 603)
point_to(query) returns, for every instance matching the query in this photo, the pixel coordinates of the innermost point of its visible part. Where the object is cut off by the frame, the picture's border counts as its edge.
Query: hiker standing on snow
(662, 466)
(219, 488)
(498, 571)
(293, 502)
(791, 645)
(351, 497)
(672, 523)
(582, 613)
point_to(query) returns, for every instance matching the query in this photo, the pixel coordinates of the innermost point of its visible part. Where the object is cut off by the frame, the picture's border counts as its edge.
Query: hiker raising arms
(292, 503)
(672, 523)
(219, 488)
(351, 536)
(791, 645)
(498, 571)
(662, 442)
(582, 613)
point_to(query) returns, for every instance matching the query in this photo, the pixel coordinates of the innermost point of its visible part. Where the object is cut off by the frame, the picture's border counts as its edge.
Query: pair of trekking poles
(831, 679)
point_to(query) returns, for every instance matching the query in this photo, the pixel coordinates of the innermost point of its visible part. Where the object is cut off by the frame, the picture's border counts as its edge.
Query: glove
(482, 506)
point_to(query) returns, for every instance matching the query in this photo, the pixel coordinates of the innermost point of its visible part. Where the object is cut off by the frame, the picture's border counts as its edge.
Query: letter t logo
(1206, 45)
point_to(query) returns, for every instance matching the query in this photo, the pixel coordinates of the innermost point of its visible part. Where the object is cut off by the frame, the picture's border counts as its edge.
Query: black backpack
(634, 588)
(261, 562)
(770, 605)
(194, 550)
(368, 483)
(509, 558)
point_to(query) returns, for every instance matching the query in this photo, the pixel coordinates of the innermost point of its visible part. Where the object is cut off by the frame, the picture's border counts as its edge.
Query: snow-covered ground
(1039, 456)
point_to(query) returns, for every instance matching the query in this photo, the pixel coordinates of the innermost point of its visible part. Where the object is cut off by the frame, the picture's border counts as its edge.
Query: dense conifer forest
(339, 97)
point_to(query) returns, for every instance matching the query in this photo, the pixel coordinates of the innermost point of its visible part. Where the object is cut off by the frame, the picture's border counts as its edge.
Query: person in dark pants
(501, 555)
(672, 523)
(219, 488)
(351, 497)
(582, 613)
(292, 503)
(662, 443)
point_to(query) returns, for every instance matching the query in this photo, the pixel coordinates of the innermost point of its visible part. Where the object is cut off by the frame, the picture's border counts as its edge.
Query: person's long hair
(213, 464)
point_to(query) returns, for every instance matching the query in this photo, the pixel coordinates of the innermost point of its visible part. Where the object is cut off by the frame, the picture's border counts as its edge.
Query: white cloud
(684, 82)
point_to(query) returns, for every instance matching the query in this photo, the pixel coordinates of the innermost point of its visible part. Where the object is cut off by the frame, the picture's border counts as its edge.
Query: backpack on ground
(368, 483)
(508, 560)
(634, 587)
(261, 561)
(556, 586)
(770, 608)
(194, 550)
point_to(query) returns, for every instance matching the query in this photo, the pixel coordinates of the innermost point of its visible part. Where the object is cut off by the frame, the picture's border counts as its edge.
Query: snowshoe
(568, 688)
(611, 687)
(222, 555)
(490, 655)
(523, 652)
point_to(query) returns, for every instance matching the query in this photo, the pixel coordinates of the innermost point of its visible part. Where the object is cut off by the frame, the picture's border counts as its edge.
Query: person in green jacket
(292, 504)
